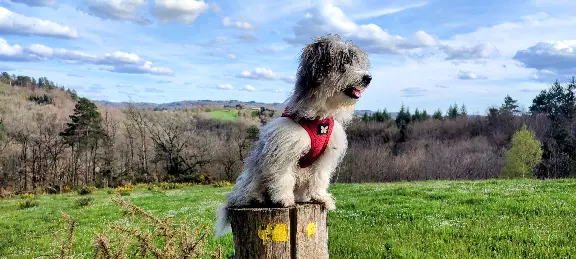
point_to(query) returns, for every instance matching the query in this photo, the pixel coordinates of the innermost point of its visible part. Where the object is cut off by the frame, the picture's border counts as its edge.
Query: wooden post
(298, 232)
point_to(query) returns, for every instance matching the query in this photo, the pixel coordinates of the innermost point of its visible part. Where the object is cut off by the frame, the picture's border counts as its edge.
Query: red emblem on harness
(319, 132)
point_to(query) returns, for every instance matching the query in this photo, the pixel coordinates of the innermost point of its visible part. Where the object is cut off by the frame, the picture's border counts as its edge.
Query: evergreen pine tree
(437, 115)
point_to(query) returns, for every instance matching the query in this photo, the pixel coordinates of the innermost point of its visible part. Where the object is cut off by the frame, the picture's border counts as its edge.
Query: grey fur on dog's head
(328, 66)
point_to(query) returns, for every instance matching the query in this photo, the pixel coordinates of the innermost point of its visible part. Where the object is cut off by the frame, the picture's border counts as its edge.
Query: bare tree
(179, 147)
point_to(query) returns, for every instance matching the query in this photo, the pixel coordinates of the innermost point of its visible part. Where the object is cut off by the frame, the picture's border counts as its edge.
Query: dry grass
(147, 236)
(153, 236)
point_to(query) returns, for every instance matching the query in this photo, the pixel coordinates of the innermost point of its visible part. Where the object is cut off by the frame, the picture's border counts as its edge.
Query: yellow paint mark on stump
(311, 229)
(263, 233)
(280, 233)
(274, 232)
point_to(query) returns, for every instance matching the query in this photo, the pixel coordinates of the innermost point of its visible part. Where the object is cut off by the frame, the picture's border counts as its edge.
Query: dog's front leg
(283, 142)
(281, 188)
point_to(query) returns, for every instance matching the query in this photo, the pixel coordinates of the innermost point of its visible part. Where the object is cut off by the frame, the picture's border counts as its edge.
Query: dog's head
(332, 75)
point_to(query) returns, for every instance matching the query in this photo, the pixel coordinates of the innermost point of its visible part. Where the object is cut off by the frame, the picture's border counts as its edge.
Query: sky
(424, 54)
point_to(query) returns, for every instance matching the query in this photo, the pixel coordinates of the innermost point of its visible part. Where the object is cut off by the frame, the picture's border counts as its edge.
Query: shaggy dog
(296, 154)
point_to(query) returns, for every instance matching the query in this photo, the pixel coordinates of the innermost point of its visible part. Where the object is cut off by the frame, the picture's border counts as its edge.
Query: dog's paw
(327, 200)
(284, 202)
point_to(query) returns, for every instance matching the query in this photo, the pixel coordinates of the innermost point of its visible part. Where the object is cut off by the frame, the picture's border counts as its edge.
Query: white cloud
(216, 8)
(119, 62)
(47, 3)
(371, 37)
(14, 23)
(249, 88)
(552, 60)
(555, 55)
(272, 90)
(146, 68)
(380, 12)
(126, 10)
(225, 87)
(265, 50)
(469, 75)
(523, 33)
(545, 76)
(413, 92)
(120, 57)
(246, 37)
(231, 57)
(12, 52)
(480, 51)
(40, 50)
(184, 11)
(260, 73)
(242, 25)
(153, 90)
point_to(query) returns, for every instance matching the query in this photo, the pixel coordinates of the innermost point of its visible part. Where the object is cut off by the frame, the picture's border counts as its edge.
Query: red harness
(319, 132)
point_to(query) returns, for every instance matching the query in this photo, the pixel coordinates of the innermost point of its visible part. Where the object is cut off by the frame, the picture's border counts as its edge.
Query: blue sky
(424, 54)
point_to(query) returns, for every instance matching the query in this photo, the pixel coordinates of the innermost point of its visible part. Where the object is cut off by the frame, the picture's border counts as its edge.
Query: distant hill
(194, 103)
(223, 103)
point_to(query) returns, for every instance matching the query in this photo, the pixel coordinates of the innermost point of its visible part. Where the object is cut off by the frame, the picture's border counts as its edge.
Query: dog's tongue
(356, 92)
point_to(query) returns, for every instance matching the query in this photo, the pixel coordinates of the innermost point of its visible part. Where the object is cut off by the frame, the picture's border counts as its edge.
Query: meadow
(224, 114)
(424, 219)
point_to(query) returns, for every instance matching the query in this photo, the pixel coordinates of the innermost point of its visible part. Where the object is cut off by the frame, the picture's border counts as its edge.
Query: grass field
(433, 219)
(224, 115)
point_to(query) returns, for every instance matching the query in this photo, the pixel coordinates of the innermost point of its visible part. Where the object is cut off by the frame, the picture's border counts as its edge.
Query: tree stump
(298, 232)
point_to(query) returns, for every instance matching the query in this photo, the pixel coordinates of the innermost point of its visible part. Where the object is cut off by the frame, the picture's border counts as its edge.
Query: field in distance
(224, 114)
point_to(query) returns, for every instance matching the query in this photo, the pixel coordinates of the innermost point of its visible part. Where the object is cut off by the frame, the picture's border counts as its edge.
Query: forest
(51, 139)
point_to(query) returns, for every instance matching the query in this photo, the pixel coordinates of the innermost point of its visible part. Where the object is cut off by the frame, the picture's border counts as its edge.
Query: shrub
(84, 201)
(222, 184)
(6, 193)
(202, 179)
(85, 190)
(53, 189)
(28, 203)
(67, 188)
(28, 196)
(144, 185)
(524, 155)
(167, 186)
(124, 190)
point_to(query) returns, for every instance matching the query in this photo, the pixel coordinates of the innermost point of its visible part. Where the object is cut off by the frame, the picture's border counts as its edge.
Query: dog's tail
(222, 226)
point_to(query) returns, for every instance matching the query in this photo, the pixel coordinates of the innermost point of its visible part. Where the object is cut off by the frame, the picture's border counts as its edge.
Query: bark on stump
(298, 232)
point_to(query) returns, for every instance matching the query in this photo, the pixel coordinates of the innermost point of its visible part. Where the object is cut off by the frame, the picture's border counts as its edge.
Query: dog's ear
(316, 62)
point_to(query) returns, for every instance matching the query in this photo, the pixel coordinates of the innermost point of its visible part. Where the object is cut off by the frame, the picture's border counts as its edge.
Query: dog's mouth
(353, 92)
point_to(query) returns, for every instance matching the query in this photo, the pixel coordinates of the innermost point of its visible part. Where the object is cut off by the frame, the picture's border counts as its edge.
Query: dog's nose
(366, 79)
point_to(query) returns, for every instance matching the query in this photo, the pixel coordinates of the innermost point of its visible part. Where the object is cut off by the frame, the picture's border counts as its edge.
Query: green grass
(434, 219)
(224, 114)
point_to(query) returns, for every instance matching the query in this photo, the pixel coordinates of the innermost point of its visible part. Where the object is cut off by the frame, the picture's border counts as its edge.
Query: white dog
(297, 153)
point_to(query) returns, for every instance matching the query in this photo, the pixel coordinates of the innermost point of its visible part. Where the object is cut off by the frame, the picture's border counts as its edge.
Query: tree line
(70, 141)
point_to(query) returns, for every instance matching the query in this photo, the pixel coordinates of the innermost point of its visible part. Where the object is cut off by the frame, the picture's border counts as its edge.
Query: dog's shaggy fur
(331, 76)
